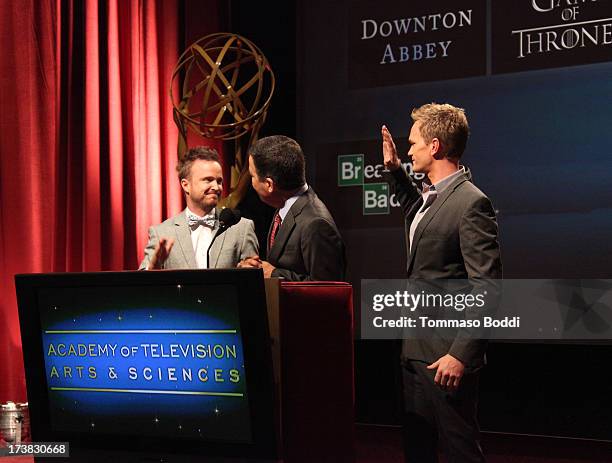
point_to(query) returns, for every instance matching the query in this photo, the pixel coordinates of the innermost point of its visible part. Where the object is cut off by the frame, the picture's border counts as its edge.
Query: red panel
(317, 372)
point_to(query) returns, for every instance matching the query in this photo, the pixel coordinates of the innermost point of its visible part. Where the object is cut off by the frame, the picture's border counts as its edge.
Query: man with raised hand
(183, 241)
(451, 233)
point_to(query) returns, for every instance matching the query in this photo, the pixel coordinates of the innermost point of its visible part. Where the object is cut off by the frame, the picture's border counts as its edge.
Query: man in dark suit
(304, 242)
(451, 233)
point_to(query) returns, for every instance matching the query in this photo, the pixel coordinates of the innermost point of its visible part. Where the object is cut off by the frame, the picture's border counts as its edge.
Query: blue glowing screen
(165, 360)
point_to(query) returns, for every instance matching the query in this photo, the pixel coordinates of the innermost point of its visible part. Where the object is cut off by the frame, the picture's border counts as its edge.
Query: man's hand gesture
(161, 253)
(390, 157)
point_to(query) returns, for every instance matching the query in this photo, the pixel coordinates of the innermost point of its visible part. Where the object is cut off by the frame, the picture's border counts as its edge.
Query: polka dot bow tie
(208, 220)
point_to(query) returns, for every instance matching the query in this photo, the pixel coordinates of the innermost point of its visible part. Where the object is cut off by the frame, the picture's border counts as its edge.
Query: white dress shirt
(201, 237)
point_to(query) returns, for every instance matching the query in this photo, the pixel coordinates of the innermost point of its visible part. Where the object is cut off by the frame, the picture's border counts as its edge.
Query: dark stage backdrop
(87, 140)
(534, 79)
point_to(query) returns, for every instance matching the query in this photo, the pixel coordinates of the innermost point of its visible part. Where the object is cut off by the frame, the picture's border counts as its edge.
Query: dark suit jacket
(457, 238)
(308, 245)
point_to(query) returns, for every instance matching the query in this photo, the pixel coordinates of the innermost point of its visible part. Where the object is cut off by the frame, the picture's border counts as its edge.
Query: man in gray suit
(304, 242)
(182, 241)
(451, 233)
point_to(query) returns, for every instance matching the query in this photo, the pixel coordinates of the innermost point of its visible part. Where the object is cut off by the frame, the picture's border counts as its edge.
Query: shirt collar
(282, 212)
(443, 184)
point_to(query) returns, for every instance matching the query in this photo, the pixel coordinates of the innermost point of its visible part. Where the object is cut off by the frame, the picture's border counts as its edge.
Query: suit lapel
(431, 212)
(183, 236)
(414, 209)
(287, 226)
(215, 249)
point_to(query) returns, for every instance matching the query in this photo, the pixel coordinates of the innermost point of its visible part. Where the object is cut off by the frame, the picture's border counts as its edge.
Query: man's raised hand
(390, 157)
(161, 253)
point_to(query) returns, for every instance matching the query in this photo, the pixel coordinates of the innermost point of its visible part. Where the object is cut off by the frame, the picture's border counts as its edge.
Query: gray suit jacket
(308, 245)
(456, 239)
(236, 243)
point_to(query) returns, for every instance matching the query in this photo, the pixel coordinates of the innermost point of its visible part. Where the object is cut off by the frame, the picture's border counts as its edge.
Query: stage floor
(382, 444)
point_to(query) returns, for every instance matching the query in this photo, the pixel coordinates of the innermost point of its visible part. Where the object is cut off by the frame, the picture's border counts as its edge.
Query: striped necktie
(275, 226)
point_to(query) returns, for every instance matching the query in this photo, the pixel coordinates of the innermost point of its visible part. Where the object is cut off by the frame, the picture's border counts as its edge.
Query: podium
(189, 364)
(311, 325)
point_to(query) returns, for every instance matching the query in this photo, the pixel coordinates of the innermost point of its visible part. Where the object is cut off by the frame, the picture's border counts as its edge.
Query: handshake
(256, 262)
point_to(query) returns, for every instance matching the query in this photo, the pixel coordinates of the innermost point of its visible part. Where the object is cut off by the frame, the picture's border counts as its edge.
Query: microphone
(227, 218)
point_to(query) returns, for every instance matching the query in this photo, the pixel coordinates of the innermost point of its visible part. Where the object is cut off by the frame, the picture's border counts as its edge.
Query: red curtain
(87, 142)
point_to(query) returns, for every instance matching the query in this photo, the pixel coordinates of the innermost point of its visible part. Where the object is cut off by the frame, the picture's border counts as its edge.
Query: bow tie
(427, 187)
(208, 220)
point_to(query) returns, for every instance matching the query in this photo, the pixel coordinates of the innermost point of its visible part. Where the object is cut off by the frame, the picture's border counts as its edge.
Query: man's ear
(270, 186)
(436, 149)
(185, 185)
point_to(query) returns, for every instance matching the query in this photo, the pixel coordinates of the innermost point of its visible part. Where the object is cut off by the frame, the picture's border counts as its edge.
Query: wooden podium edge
(272, 286)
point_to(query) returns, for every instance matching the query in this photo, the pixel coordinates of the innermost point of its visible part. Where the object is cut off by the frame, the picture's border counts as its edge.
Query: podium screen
(172, 355)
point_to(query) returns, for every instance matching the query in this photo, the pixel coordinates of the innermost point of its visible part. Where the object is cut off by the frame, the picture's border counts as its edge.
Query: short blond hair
(445, 122)
(204, 153)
